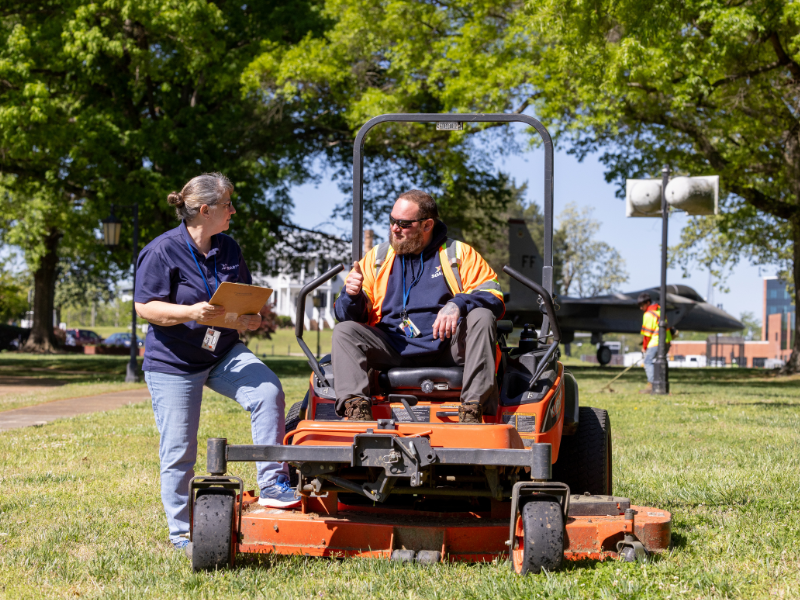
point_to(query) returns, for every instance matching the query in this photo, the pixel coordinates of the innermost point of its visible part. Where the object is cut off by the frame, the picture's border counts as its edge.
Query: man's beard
(412, 244)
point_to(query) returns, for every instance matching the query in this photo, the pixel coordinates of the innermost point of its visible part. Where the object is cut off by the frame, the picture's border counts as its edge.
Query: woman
(177, 274)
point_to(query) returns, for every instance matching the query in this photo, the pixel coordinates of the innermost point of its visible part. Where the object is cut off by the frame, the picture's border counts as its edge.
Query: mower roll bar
(358, 172)
(298, 323)
(550, 311)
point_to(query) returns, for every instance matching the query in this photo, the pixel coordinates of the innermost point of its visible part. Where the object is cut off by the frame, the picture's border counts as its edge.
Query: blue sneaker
(184, 545)
(278, 495)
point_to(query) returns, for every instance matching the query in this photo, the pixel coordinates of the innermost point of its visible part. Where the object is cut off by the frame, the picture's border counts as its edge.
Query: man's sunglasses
(404, 223)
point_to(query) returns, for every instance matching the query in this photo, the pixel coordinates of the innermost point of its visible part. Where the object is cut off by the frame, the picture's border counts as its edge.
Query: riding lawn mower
(532, 482)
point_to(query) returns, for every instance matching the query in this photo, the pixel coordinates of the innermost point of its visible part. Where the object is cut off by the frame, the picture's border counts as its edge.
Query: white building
(287, 286)
(308, 258)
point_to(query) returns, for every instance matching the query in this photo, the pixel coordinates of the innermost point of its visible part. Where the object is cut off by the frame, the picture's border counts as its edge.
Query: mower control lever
(547, 300)
(407, 401)
(298, 323)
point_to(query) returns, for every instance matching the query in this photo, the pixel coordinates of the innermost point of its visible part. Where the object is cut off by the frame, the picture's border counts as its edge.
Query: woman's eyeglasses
(404, 223)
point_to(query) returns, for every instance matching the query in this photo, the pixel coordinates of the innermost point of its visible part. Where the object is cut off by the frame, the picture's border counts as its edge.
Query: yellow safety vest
(650, 326)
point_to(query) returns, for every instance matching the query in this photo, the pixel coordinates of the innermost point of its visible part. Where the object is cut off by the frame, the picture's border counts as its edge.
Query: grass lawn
(81, 516)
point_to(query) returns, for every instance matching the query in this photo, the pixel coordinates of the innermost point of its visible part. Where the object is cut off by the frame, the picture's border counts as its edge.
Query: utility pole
(660, 365)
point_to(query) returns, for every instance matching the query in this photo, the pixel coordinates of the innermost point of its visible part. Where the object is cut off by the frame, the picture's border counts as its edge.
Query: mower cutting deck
(532, 482)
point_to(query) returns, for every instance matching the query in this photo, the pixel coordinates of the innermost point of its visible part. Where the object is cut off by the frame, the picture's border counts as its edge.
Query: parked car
(122, 339)
(83, 337)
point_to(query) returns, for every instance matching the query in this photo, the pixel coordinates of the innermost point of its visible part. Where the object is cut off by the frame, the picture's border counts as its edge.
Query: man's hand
(251, 322)
(203, 311)
(446, 321)
(354, 281)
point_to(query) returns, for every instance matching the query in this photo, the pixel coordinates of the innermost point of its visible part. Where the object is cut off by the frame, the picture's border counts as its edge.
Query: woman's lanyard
(199, 270)
(407, 293)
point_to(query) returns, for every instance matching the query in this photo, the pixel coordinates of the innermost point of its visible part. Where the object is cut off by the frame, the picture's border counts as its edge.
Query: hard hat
(644, 297)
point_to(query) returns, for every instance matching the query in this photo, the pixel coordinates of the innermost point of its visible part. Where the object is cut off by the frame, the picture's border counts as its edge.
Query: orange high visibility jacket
(464, 270)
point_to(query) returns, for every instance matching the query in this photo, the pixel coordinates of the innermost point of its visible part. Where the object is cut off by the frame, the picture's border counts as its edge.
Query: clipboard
(238, 299)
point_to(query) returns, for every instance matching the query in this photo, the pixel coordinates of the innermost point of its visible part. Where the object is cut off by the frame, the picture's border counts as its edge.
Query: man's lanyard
(407, 293)
(203, 277)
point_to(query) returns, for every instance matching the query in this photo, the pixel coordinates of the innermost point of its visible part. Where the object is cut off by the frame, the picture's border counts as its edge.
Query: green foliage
(752, 326)
(704, 86)
(123, 101)
(383, 57)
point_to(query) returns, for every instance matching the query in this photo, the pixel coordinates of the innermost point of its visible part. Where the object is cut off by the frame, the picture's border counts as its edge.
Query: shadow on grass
(678, 540)
(22, 364)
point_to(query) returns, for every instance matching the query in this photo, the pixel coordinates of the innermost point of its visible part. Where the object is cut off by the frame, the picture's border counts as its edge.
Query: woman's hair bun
(176, 199)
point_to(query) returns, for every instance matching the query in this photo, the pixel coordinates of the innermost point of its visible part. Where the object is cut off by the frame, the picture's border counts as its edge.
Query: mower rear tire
(585, 458)
(212, 532)
(541, 545)
(297, 412)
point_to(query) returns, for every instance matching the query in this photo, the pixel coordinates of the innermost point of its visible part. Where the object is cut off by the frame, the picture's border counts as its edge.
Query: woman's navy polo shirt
(167, 272)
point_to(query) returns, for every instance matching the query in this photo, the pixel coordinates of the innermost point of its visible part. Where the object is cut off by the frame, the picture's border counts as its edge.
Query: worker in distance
(652, 314)
(419, 299)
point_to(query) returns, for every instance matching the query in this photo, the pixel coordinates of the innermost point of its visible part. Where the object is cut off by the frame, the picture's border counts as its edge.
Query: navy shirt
(167, 272)
(425, 300)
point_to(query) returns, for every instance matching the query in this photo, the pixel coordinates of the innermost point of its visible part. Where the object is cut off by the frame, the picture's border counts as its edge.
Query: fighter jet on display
(598, 315)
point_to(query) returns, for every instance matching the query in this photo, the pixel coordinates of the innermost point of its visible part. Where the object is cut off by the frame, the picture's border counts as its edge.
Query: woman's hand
(203, 311)
(251, 322)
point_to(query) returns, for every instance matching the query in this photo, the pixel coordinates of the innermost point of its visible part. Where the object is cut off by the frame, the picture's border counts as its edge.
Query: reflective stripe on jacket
(650, 325)
(464, 270)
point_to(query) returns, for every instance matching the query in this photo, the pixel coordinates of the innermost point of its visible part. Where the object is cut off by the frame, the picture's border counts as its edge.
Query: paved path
(59, 409)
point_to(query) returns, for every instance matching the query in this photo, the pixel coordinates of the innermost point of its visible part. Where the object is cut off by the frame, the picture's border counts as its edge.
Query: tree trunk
(41, 338)
(793, 364)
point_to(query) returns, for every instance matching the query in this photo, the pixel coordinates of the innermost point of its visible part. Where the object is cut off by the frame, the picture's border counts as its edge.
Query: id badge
(408, 327)
(211, 339)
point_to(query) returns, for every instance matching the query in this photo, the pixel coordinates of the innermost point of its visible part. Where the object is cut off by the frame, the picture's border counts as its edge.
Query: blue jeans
(240, 375)
(649, 359)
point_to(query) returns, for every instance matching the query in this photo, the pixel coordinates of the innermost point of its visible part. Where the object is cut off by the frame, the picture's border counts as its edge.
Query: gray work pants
(357, 348)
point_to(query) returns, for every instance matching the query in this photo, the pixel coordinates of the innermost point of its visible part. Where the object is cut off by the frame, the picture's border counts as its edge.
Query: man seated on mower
(420, 299)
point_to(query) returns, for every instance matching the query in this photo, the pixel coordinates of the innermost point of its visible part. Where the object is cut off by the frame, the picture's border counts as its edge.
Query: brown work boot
(470, 413)
(358, 409)
(648, 389)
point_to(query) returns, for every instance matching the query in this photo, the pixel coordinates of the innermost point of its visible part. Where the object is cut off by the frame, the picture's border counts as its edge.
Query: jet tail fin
(524, 257)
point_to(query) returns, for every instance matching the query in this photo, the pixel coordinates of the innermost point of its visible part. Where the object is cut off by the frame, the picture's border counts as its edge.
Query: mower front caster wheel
(212, 531)
(541, 545)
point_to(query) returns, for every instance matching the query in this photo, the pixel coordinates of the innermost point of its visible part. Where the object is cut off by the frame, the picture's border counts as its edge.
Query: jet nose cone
(706, 317)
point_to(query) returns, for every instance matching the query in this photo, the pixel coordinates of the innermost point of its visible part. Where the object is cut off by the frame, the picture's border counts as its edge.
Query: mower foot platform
(324, 527)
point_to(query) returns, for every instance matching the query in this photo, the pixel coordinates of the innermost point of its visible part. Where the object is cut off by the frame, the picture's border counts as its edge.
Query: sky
(637, 239)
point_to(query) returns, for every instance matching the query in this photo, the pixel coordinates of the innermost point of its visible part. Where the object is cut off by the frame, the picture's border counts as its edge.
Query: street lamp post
(112, 227)
(660, 365)
(654, 198)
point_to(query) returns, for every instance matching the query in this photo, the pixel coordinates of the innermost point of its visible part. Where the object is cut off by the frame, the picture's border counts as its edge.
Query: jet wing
(611, 313)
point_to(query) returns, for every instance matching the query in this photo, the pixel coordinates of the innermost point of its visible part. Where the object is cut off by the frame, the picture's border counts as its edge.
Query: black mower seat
(414, 378)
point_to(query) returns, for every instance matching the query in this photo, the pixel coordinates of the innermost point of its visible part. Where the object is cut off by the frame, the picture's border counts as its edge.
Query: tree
(389, 56)
(589, 267)
(123, 101)
(752, 326)
(704, 86)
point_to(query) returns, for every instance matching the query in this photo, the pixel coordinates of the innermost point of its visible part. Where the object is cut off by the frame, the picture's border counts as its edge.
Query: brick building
(777, 336)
